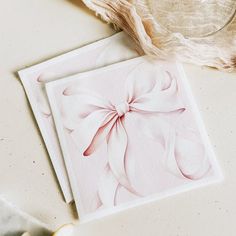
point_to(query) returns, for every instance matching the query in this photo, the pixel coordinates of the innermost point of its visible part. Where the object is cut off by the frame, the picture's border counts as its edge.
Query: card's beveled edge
(63, 183)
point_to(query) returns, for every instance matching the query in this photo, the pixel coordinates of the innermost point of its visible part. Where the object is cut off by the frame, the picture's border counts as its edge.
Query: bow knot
(122, 109)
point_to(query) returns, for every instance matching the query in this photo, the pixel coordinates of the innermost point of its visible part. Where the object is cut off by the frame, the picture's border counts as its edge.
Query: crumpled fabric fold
(197, 43)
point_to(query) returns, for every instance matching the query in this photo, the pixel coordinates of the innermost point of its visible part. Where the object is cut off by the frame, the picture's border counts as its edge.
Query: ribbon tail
(164, 134)
(116, 149)
(92, 131)
(107, 188)
(186, 168)
(100, 136)
(171, 162)
(192, 160)
(175, 160)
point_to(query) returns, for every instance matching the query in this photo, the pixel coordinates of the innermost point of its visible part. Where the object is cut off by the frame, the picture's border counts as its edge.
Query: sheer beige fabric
(202, 32)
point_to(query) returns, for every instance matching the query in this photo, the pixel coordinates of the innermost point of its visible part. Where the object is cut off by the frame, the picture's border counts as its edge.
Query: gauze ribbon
(101, 121)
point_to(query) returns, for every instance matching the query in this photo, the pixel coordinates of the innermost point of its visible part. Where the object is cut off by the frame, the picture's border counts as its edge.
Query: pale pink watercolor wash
(152, 141)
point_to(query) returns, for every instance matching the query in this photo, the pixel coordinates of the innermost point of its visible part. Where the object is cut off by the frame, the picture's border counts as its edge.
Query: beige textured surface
(33, 30)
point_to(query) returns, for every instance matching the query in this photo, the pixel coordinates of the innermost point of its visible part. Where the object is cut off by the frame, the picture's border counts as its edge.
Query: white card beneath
(130, 133)
(104, 52)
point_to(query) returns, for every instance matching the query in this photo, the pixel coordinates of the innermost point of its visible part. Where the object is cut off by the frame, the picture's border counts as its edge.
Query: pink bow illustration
(102, 121)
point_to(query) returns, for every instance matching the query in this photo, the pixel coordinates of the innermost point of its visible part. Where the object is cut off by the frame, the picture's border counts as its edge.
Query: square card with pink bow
(130, 134)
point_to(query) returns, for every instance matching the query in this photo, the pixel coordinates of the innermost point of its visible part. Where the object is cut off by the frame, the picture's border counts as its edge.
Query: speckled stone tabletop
(32, 31)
